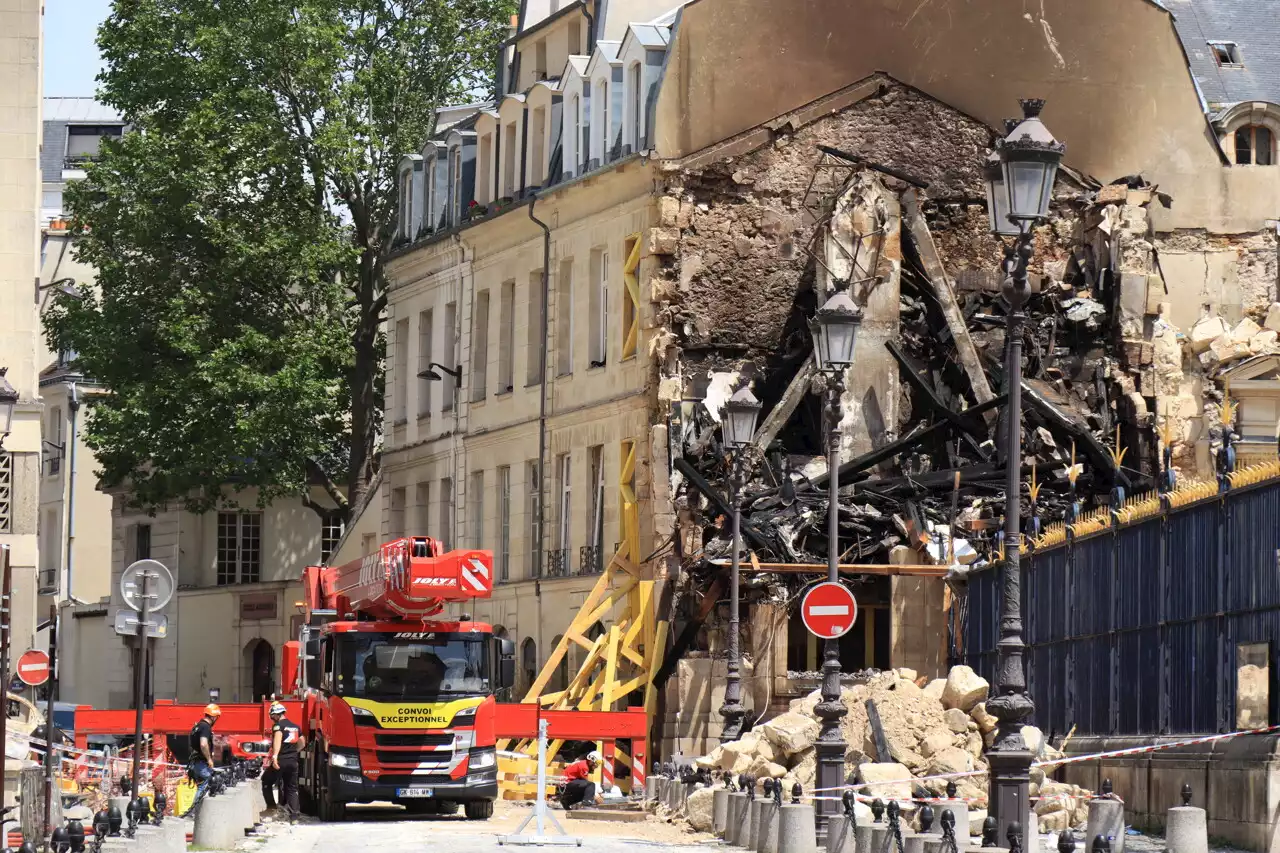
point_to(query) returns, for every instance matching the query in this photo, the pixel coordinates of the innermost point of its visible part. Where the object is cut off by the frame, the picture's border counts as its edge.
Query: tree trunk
(364, 371)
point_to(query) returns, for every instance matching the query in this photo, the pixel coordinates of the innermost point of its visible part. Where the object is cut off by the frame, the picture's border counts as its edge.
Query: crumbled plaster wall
(1230, 275)
(742, 280)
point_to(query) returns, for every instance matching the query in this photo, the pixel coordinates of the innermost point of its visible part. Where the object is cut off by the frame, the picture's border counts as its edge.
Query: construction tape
(1056, 762)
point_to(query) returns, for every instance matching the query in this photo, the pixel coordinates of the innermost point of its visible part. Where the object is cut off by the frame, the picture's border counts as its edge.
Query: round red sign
(33, 667)
(829, 610)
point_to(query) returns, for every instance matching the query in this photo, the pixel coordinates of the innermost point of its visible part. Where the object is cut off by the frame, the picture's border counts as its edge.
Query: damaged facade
(695, 221)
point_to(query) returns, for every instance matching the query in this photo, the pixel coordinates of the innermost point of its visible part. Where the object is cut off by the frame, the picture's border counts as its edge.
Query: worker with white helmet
(286, 740)
(579, 790)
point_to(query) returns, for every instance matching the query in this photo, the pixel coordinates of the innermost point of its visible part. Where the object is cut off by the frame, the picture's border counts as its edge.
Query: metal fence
(1147, 623)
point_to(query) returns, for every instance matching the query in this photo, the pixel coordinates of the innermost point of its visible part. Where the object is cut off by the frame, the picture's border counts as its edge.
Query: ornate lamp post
(1018, 196)
(835, 332)
(738, 428)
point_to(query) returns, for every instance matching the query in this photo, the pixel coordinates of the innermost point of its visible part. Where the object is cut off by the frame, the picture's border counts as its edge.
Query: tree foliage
(240, 231)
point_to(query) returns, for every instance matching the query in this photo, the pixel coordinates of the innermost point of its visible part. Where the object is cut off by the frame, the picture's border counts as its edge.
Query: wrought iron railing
(557, 563)
(590, 560)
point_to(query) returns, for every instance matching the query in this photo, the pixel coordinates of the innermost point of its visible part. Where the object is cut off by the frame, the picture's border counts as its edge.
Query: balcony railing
(78, 161)
(590, 560)
(557, 563)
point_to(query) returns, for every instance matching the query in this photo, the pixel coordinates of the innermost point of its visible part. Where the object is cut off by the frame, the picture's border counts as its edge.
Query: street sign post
(159, 577)
(127, 625)
(828, 610)
(33, 667)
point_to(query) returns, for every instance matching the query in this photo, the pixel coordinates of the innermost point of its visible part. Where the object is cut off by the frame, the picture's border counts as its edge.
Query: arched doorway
(259, 680)
(528, 663)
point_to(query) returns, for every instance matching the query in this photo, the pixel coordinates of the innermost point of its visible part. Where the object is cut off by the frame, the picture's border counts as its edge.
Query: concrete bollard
(651, 788)
(841, 837)
(219, 823)
(685, 791)
(1186, 830)
(863, 837)
(797, 829)
(937, 844)
(733, 820)
(880, 838)
(748, 839)
(1106, 818)
(719, 811)
(122, 803)
(960, 811)
(259, 801)
(767, 829)
(913, 842)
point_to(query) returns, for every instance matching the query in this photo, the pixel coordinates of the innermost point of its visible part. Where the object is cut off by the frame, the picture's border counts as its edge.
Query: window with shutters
(239, 557)
(506, 336)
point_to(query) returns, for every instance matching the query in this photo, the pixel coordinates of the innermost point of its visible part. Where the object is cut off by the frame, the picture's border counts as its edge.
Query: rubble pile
(934, 729)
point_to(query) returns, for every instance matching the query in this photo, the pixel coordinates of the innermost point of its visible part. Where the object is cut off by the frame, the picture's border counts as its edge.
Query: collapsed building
(645, 219)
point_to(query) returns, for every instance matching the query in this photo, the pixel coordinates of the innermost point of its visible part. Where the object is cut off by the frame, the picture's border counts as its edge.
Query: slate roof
(1254, 25)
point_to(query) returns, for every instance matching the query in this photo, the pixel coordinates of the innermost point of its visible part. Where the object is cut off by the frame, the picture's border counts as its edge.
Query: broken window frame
(635, 78)
(1226, 54)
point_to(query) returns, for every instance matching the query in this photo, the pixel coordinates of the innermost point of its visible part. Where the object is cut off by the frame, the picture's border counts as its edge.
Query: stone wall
(1237, 781)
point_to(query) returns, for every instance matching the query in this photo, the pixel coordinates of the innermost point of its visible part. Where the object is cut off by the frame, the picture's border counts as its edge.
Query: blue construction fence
(1167, 624)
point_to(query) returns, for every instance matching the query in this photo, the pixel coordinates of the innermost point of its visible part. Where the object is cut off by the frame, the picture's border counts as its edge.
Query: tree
(240, 232)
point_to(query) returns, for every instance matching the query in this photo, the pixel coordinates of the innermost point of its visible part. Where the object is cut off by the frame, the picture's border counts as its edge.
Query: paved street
(390, 830)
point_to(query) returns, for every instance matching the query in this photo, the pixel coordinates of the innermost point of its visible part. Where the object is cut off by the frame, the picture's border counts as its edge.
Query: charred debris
(930, 489)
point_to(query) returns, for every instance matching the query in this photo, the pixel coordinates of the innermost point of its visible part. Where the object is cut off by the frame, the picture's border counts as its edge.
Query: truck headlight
(349, 760)
(483, 759)
(357, 711)
(466, 716)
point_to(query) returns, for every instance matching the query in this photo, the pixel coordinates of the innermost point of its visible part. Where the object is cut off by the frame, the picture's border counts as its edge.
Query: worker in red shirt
(579, 789)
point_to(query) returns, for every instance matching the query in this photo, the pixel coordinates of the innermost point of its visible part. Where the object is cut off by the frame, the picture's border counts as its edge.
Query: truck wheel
(479, 809)
(329, 809)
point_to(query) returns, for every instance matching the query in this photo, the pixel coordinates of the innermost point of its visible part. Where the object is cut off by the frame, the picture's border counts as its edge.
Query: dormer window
(1255, 145)
(406, 203)
(1226, 53)
(84, 142)
(455, 169)
(430, 209)
(637, 110)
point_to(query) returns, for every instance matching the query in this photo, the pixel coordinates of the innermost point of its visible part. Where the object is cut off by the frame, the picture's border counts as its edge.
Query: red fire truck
(397, 706)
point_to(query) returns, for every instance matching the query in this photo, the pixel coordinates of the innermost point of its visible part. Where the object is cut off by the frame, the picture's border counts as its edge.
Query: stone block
(1205, 332)
(663, 241)
(964, 688)
(986, 722)
(1245, 330)
(791, 732)
(1264, 341)
(719, 811)
(957, 720)
(934, 689)
(886, 780)
(936, 743)
(668, 211)
(699, 809)
(1273, 318)
(950, 760)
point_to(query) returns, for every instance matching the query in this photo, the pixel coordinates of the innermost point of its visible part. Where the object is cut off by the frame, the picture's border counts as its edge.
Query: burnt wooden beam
(676, 650)
(892, 449)
(749, 533)
(927, 250)
(859, 160)
(1085, 440)
(969, 431)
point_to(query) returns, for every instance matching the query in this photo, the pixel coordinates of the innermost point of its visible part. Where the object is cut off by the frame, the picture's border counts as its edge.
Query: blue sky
(71, 60)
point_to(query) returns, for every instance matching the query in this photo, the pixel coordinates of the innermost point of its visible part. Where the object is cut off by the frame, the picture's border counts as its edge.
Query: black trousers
(287, 778)
(578, 791)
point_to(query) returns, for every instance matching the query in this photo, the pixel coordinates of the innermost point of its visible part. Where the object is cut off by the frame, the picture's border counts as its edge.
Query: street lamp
(8, 400)
(835, 333)
(1029, 158)
(738, 429)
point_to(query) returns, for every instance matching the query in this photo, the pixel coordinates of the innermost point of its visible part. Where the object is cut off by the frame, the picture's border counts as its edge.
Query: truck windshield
(418, 667)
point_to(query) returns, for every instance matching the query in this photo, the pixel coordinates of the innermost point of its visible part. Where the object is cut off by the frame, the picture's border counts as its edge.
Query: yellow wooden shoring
(631, 298)
(627, 657)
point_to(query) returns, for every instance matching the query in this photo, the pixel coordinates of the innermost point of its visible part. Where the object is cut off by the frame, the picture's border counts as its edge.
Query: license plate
(415, 792)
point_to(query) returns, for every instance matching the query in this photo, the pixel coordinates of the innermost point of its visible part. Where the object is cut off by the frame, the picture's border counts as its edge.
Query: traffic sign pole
(48, 718)
(144, 583)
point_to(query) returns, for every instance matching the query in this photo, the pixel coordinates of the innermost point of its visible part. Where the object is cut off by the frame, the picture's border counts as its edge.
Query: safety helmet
(593, 757)
(276, 708)
(212, 710)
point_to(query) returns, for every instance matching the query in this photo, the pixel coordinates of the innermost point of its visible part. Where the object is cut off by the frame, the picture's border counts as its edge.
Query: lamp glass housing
(835, 332)
(998, 198)
(740, 415)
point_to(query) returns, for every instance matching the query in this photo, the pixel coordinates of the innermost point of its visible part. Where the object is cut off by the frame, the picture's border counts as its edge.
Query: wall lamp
(65, 286)
(433, 374)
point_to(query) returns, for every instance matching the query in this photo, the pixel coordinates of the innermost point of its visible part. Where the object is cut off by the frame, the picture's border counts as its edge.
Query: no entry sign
(33, 667)
(828, 610)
